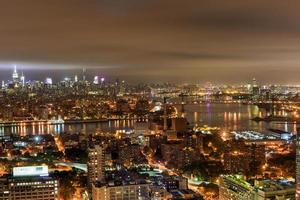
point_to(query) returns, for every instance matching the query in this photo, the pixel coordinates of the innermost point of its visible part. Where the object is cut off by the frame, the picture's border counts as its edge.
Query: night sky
(153, 40)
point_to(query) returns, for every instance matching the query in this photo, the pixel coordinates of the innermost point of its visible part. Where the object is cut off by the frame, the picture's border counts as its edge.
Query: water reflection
(45, 128)
(196, 118)
(226, 116)
(234, 117)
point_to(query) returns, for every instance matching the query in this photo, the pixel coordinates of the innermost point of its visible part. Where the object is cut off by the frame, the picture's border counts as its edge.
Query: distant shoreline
(46, 122)
(276, 119)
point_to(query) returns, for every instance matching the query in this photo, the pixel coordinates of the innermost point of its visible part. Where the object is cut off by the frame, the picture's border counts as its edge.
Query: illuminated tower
(3, 85)
(76, 78)
(15, 75)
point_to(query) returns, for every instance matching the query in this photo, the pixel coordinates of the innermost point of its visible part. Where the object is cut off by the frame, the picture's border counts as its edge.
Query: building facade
(29, 185)
(96, 162)
(234, 187)
(121, 191)
(298, 166)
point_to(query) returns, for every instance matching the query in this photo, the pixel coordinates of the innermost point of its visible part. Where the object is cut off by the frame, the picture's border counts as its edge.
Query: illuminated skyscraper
(22, 78)
(165, 116)
(96, 80)
(102, 80)
(254, 82)
(255, 89)
(48, 81)
(15, 75)
(83, 74)
(96, 161)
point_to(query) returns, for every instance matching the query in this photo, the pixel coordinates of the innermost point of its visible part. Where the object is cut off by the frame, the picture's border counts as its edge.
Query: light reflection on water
(226, 116)
(45, 128)
(231, 117)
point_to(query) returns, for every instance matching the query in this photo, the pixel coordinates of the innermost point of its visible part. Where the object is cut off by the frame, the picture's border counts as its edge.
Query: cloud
(138, 39)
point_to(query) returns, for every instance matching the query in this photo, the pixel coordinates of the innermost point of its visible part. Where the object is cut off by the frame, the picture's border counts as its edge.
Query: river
(235, 117)
(228, 117)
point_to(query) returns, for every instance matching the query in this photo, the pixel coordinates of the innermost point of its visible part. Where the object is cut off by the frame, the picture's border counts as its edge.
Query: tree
(77, 155)
(66, 180)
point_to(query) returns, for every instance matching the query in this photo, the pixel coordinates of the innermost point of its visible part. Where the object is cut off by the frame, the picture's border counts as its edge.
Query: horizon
(33, 73)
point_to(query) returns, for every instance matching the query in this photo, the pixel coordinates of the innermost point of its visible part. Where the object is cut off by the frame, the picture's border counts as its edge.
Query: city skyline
(57, 75)
(149, 100)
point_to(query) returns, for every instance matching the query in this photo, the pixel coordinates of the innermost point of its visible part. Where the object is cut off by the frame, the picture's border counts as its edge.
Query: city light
(140, 100)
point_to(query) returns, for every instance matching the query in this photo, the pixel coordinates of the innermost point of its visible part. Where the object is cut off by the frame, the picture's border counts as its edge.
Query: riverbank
(58, 122)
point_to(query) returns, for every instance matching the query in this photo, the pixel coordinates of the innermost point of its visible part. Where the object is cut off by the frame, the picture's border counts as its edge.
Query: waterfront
(55, 129)
(229, 117)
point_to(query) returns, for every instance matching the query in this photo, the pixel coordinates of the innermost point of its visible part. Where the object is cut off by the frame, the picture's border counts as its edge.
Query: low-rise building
(234, 187)
(119, 190)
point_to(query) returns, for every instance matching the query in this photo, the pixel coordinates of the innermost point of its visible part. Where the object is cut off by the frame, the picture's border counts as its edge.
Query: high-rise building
(22, 79)
(83, 74)
(131, 154)
(48, 81)
(96, 80)
(15, 75)
(96, 162)
(240, 157)
(298, 165)
(255, 89)
(254, 82)
(3, 85)
(32, 182)
(102, 80)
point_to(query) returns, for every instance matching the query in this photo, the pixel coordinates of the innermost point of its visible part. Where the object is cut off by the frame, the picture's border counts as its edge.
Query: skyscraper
(15, 75)
(22, 79)
(96, 80)
(83, 74)
(298, 165)
(96, 161)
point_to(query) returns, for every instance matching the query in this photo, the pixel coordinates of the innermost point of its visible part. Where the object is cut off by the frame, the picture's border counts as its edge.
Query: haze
(153, 40)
